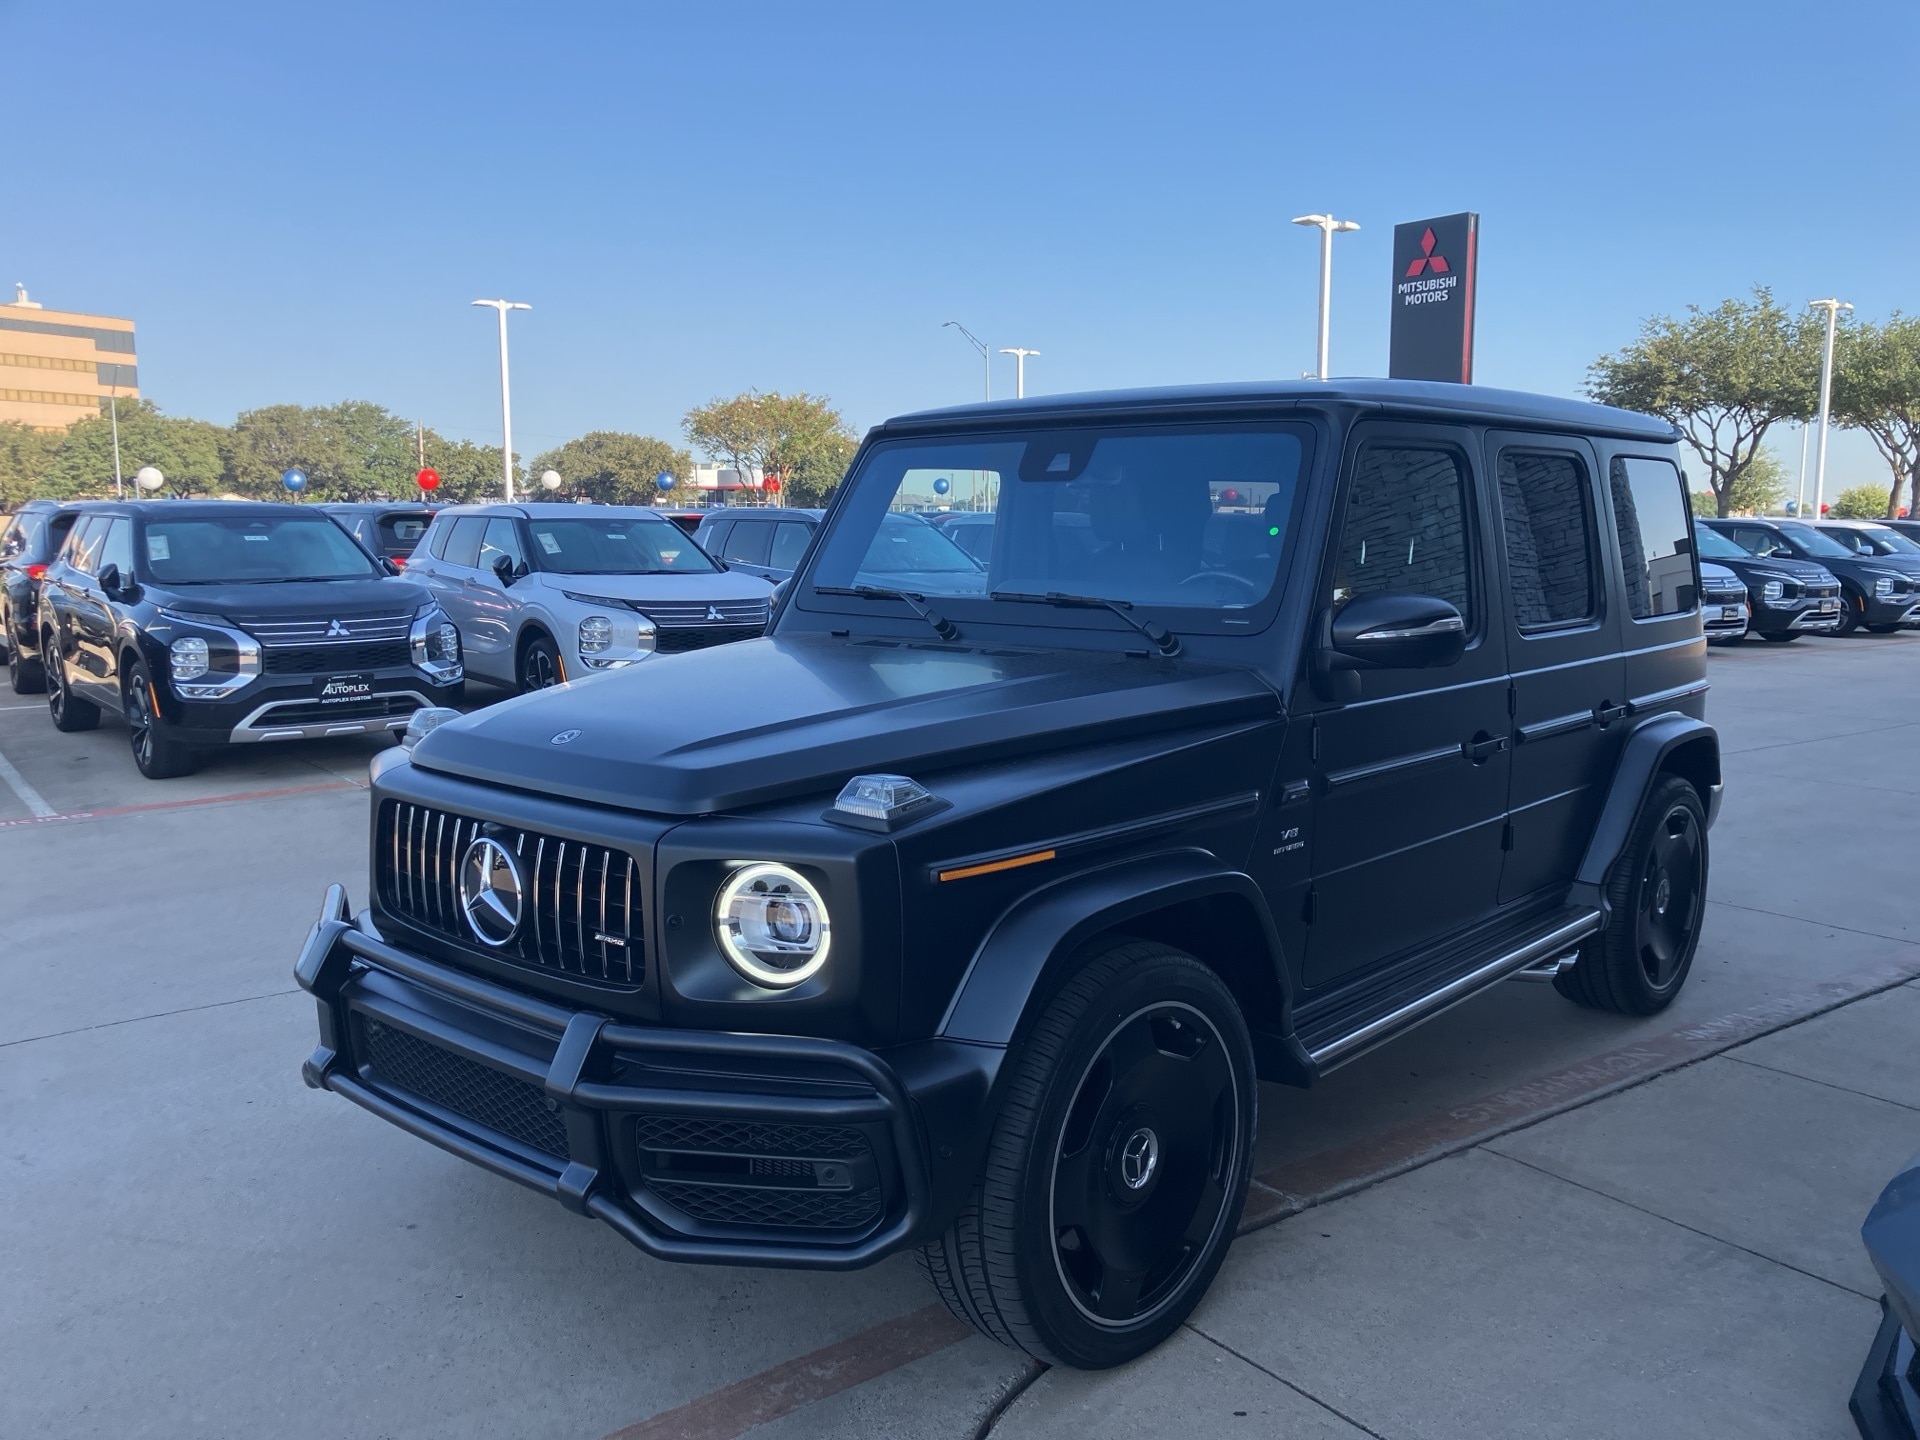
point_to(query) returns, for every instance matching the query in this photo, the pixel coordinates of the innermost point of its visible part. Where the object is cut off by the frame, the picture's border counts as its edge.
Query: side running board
(1538, 958)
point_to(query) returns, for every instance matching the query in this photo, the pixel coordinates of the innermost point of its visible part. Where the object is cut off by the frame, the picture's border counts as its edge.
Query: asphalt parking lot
(192, 1243)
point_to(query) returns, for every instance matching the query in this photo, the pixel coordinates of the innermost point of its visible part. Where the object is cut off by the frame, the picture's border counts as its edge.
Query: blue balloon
(295, 480)
(664, 480)
(940, 486)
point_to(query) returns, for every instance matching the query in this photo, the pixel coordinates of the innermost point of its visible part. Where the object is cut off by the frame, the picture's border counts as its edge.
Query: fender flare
(1667, 742)
(1023, 957)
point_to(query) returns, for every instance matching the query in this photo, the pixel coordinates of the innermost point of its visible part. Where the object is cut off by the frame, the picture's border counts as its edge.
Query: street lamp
(506, 395)
(1019, 370)
(1326, 224)
(113, 409)
(1833, 309)
(986, 359)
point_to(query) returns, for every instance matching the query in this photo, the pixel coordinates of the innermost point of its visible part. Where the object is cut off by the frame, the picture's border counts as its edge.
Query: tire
(1780, 637)
(1101, 1103)
(1657, 896)
(24, 672)
(158, 755)
(1850, 616)
(70, 713)
(539, 667)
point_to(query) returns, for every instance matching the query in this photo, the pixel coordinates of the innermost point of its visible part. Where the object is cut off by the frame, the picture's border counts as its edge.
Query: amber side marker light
(967, 872)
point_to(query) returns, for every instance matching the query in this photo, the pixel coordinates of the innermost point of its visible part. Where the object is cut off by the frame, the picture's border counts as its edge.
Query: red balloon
(1229, 496)
(1825, 508)
(428, 478)
(772, 487)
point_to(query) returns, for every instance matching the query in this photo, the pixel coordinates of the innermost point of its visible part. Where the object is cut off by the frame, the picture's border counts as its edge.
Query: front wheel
(1117, 1166)
(23, 669)
(70, 713)
(539, 665)
(158, 755)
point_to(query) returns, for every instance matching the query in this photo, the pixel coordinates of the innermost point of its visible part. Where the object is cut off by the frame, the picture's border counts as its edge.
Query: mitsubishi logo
(1426, 259)
(490, 891)
(713, 613)
(335, 629)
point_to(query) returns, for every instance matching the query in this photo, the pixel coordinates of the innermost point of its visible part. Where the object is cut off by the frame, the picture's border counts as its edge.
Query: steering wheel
(1254, 592)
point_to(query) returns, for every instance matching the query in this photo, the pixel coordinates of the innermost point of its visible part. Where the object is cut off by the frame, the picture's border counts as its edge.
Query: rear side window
(1549, 535)
(1405, 527)
(14, 542)
(748, 543)
(399, 535)
(463, 546)
(790, 539)
(1656, 555)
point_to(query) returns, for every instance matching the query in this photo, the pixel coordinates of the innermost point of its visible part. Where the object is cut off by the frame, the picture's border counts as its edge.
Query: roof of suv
(553, 510)
(762, 512)
(1437, 397)
(203, 509)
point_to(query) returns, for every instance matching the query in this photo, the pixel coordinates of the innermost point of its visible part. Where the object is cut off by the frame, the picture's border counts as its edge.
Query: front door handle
(1604, 715)
(1482, 746)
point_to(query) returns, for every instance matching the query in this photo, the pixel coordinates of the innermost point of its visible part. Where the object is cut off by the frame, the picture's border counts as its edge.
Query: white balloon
(551, 479)
(148, 477)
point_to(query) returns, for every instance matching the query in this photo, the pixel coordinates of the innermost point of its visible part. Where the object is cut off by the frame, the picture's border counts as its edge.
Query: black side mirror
(115, 586)
(505, 570)
(1394, 631)
(387, 565)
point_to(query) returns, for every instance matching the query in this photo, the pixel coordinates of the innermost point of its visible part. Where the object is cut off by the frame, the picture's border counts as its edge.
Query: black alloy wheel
(539, 665)
(23, 670)
(1116, 1168)
(1851, 609)
(1656, 898)
(157, 755)
(70, 713)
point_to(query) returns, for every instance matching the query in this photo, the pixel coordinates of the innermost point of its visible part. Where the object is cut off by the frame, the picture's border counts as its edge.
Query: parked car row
(1833, 577)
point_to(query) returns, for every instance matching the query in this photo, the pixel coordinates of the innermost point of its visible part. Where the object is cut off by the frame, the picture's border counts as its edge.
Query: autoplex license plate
(339, 689)
(1729, 612)
(1826, 606)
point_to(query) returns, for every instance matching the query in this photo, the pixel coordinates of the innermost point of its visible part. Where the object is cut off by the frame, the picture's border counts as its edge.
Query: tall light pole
(1800, 494)
(113, 409)
(1326, 225)
(1833, 309)
(986, 357)
(506, 393)
(1019, 370)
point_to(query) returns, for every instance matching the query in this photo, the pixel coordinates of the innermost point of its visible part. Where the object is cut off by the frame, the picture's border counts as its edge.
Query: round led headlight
(772, 926)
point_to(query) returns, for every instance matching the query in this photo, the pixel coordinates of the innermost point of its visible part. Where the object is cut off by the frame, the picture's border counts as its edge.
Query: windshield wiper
(914, 601)
(1164, 641)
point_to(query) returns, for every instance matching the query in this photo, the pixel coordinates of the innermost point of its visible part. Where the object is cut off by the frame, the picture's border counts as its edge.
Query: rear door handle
(1604, 715)
(1479, 749)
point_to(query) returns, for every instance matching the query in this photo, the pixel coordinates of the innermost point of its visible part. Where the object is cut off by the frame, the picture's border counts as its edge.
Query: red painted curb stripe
(757, 1399)
(179, 804)
(1328, 1174)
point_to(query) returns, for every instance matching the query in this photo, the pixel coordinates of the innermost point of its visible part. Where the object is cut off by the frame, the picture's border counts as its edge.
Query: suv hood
(770, 719)
(1792, 569)
(290, 599)
(732, 585)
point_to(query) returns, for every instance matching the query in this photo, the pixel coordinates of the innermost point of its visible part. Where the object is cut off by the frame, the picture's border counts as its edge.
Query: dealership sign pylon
(1435, 265)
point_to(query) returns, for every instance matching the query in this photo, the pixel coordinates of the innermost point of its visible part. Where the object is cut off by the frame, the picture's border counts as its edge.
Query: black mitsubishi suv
(1789, 597)
(962, 912)
(1874, 594)
(210, 623)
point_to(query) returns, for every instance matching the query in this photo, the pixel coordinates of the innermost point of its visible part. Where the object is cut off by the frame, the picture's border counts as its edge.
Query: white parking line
(29, 796)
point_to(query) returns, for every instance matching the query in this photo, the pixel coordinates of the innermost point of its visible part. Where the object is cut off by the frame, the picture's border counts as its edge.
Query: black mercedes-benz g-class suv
(961, 912)
(214, 622)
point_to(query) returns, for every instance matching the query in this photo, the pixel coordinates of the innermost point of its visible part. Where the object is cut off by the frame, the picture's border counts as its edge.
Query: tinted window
(500, 541)
(83, 545)
(1812, 542)
(398, 535)
(436, 539)
(790, 539)
(1549, 538)
(117, 549)
(1715, 546)
(616, 545)
(463, 546)
(749, 542)
(973, 537)
(204, 550)
(21, 535)
(1406, 527)
(1656, 556)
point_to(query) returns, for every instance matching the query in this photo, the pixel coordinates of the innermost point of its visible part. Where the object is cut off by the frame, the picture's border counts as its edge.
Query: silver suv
(543, 593)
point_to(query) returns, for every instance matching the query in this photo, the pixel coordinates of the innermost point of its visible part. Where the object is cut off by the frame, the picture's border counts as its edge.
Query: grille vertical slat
(566, 881)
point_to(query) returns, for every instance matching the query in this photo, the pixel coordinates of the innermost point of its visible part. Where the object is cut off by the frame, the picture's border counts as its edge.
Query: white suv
(542, 593)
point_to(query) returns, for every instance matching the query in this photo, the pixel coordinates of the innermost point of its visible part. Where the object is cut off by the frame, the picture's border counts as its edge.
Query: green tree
(355, 450)
(612, 467)
(1876, 388)
(26, 455)
(1858, 502)
(468, 472)
(187, 452)
(1723, 376)
(799, 440)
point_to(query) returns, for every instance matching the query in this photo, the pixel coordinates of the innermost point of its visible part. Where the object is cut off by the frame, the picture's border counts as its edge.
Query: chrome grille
(580, 914)
(275, 632)
(686, 614)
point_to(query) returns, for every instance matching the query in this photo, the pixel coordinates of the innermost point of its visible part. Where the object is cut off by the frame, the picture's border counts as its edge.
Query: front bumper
(701, 1146)
(285, 708)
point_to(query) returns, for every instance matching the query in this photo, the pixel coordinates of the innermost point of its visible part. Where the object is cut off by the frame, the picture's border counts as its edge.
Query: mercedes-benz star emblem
(335, 630)
(1139, 1158)
(713, 613)
(491, 891)
(565, 737)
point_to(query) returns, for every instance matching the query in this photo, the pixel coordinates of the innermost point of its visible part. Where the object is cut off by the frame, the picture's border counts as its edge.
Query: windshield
(1715, 546)
(1169, 520)
(1875, 541)
(616, 545)
(212, 549)
(1814, 543)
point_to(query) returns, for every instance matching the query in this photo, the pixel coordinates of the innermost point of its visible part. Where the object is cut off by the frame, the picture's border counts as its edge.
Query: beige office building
(56, 366)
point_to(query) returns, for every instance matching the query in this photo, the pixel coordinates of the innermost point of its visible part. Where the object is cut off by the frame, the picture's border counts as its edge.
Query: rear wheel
(23, 667)
(159, 756)
(539, 665)
(1657, 895)
(1780, 637)
(70, 713)
(1116, 1169)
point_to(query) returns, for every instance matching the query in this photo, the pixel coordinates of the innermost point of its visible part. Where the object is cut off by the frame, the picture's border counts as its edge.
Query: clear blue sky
(296, 203)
